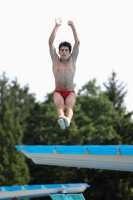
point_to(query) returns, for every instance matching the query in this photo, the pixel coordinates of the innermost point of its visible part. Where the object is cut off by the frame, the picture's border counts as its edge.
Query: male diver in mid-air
(64, 67)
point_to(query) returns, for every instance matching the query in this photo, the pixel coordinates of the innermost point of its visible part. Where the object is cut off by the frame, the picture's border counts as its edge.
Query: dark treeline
(100, 117)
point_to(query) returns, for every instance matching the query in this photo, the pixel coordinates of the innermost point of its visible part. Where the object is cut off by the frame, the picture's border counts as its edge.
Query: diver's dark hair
(65, 44)
(15, 198)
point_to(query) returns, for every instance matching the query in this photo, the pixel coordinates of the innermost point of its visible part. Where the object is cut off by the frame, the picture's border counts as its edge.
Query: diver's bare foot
(66, 120)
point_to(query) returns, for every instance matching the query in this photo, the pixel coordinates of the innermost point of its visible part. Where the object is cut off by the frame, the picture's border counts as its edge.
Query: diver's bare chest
(60, 68)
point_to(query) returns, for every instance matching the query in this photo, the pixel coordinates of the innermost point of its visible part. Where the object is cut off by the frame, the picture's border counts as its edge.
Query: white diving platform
(32, 191)
(108, 157)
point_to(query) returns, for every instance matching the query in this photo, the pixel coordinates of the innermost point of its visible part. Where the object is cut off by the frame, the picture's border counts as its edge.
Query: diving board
(108, 157)
(32, 191)
(67, 197)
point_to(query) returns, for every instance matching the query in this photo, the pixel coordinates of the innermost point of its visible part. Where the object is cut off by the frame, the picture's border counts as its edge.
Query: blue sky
(105, 29)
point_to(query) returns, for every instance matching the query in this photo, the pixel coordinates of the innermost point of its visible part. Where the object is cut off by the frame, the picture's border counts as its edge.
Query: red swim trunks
(64, 94)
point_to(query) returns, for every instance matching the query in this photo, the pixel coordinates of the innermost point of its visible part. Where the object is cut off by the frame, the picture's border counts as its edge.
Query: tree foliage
(14, 103)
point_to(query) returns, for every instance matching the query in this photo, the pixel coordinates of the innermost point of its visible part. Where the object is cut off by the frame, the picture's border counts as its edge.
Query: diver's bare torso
(64, 73)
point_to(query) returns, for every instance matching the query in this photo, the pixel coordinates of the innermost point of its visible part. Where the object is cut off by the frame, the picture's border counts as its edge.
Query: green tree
(95, 116)
(14, 105)
(116, 93)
